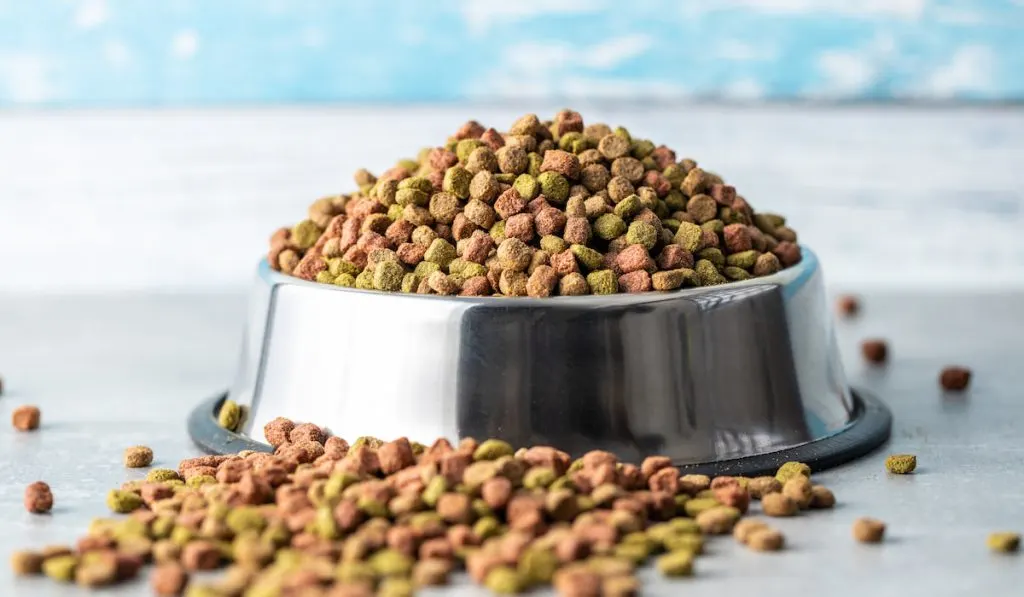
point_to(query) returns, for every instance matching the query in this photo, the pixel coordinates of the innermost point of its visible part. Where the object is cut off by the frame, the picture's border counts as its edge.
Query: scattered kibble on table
(875, 351)
(868, 530)
(38, 498)
(26, 418)
(138, 457)
(848, 306)
(385, 518)
(548, 208)
(901, 464)
(955, 378)
(1004, 542)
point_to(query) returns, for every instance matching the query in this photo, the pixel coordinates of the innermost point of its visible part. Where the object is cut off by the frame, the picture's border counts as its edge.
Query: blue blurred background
(188, 52)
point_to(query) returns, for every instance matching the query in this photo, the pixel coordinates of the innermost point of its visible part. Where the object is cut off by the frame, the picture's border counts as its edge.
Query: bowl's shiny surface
(699, 375)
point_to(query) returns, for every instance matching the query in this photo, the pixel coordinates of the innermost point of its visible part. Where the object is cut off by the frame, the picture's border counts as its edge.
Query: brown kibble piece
(168, 579)
(762, 486)
(25, 418)
(848, 305)
(955, 378)
(778, 504)
(26, 563)
(138, 457)
(200, 555)
(868, 530)
(875, 351)
(765, 539)
(38, 498)
(276, 432)
(822, 497)
(798, 489)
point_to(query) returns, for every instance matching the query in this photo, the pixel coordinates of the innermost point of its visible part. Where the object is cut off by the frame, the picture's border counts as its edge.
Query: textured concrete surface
(110, 372)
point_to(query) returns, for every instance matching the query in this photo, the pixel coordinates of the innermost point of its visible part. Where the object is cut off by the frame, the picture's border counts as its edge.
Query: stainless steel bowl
(736, 376)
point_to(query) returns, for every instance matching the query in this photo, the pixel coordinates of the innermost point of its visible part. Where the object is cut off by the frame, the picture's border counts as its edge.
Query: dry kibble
(589, 186)
(868, 530)
(26, 563)
(746, 527)
(955, 378)
(765, 539)
(848, 306)
(822, 497)
(901, 464)
(168, 579)
(230, 415)
(138, 457)
(1003, 542)
(762, 486)
(875, 351)
(779, 504)
(798, 489)
(25, 418)
(38, 498)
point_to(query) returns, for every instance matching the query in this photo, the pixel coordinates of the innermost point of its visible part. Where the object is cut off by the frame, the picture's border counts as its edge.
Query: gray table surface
(110, 372)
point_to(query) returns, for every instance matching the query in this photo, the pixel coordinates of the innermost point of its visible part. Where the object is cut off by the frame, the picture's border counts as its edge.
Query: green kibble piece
(553, 244)
(440, 252)
(708, 274)
(395, 212)
(671, 279)
(603, 282)
(230, 415)
(435, 488)
(588, 257)
(634, 552)
(245, 518)
(388, 276)
(162, 527)
(480, 508)
(410, 282)
(324, 525)
(456, 181)
(675, 564)
(180, 536)
(554, 186)
(901, 464)
(493, 449)
(697, 505)
(60, 568)
(533, 164)
(527, 186)
(537, 566)
(792, 469)
(305, 234)
(396, 587)
(716, 226)
(538, 477)
(563, 482)
(609, 226)
(497, 232)
(685, 526)
(123, 502)
(372, 507)
(391, 563)
(487, 527)
(412, 197)
(465, 147)
(408, 164)
(743, 259)
(352, 571)
(736, 273)
(675, 174)
(159, 475)
(418, 183)
(713, 255)
(324, 277)
(200, 480)
(671, 224)
(689, 542)
(504, 581)
(688, 236)
(425, 268)
(675, 201)
(364, 281)
(566, 141)
(643, 234)
(345, 280)
(628, 207)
